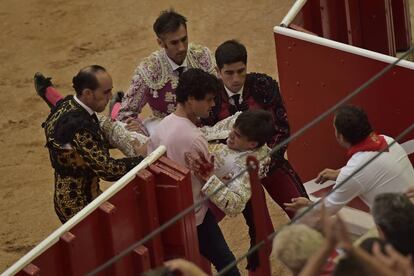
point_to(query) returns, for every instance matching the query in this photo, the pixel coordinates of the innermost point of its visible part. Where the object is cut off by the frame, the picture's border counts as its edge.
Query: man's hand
(139, 149)
(327, 174)
(394, 260)
(199, 164)
(185, 267)
(136, 125)
(410, 193)
(342, 234)
(297, 203)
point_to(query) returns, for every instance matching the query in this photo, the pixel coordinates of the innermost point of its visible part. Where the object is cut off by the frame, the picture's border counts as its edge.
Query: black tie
(180, 70)
(95, 118)
(236, 101)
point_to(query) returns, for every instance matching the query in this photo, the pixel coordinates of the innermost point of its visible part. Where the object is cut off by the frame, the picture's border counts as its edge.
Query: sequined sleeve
(232, 197)
(221, 129)
(97, 157)
(119, 137)
(134, 99)
(235, 193)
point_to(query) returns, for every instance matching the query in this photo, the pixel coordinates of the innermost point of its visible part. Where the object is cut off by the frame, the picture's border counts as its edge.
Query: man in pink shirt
(179, 134)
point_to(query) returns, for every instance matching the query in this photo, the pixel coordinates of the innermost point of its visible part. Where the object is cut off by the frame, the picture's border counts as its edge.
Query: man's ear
(87, 93)
(160, 42)
(218, 72)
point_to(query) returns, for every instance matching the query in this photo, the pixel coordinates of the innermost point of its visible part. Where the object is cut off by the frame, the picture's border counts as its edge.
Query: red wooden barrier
(261, 218)
(402, 25)
(128, 216)
(174, 194)
(315, 75)
(368, 24)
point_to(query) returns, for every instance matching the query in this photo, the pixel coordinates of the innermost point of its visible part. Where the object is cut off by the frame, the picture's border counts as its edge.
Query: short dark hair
(86, 78)
(394, 215)
(168, 21)
(256, 125)
(349, 265)
(368, 244)
(230, 51)
(352, 123)
(196, 83)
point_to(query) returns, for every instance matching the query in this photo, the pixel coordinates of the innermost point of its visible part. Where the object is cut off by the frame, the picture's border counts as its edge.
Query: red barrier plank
(262, 222)
(174, 194)
(135, 217)
(141, 260)
(334, 24)
(31, 269)
(311, 83)
(49, 262)
(377, 26)
(353, 21)
(309, 17)
(402, 24)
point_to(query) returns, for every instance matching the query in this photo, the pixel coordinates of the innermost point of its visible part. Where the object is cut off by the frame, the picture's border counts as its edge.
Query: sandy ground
(58, 38)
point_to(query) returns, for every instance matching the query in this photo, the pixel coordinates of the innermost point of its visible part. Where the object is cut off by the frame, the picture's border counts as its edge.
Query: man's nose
(237, 78)
(181, 46)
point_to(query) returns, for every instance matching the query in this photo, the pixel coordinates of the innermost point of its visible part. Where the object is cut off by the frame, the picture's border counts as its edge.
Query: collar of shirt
(240, 92)
(87, 108)
(175, 65)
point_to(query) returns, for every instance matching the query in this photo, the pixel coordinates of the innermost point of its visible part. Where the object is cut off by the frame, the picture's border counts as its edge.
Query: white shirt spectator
(391, 172)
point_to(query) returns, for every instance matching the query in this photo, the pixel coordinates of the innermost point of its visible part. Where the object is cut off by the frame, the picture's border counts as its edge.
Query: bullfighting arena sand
(58, 38)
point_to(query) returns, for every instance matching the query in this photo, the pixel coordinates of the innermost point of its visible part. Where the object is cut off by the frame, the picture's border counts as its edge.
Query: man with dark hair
(248, 91)
(394, 216)
(156, 77)
(241, 91)
(246, 134)
(179, 134)
(77, 145)
(391, 171)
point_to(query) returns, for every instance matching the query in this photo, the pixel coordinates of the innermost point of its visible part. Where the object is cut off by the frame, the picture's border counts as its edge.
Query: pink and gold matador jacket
(154, 82)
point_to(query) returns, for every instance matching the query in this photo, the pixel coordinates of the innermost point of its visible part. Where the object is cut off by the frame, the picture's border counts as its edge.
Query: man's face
(201, 108)
(233, 75)
(175, 44)
(99, 98)
(236, 141)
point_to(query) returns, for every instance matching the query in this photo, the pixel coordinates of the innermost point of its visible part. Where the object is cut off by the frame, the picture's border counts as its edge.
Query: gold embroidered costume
(79, 153)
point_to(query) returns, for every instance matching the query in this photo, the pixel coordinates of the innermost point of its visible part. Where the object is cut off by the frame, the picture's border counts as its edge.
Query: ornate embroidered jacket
(228, 163)
(79, 153)
(259, 91)
(154, 82)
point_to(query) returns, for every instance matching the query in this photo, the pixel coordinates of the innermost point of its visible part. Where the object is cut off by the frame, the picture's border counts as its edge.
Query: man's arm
(221, 129)
(119, 137)
(97, 157)
(232, 198)
(134, 99)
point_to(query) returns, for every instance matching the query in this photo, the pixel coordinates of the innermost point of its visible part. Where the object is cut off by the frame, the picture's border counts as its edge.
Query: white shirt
(87, 108)
(391, 172)
(175, 66)
(230, 94)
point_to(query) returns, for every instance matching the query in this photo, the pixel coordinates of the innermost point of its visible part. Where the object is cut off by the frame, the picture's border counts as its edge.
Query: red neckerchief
(373, 142)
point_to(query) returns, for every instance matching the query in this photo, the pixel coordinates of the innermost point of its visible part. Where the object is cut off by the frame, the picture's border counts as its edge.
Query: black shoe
(41, 83)
(116, 98)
